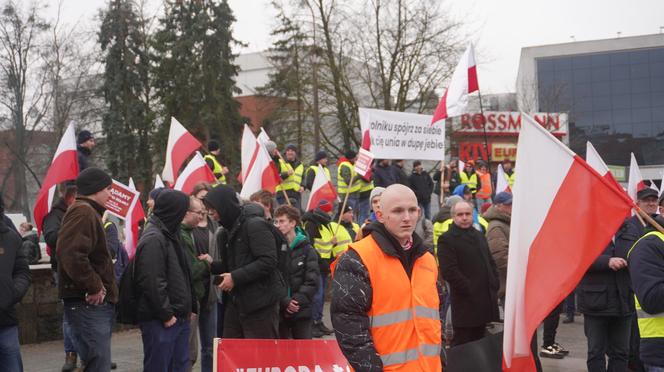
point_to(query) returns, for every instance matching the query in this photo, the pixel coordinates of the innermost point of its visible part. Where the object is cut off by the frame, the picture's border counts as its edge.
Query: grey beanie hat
(377, 191)
(453, 200)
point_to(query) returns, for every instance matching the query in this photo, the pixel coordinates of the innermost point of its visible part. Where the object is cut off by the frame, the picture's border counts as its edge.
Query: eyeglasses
(200, 213)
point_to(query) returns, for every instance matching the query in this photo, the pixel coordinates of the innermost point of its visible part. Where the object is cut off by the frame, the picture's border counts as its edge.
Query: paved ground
(128, 352)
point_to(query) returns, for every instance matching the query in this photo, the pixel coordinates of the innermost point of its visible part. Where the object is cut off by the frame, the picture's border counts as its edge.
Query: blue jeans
(650, 368)
(319, 298)
(10, 351)
(91, 327)
(207, 328)
(66, 335)
(165, 349)
(364, 208)
(426, 209)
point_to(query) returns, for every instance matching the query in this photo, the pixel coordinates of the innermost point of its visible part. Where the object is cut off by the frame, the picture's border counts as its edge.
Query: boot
(316, 332)
(324, 329)
(70, 362)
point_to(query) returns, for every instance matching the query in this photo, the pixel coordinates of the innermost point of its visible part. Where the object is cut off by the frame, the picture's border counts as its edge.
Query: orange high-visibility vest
(404, 313)
(485, 191)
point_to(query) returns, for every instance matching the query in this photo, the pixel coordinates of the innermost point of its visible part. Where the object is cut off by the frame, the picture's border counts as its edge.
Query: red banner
(278, 355)
(122, 199)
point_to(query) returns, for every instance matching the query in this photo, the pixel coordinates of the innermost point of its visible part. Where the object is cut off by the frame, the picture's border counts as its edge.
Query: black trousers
(607, 336)
(299, 329)
(551, 326)
(463, 335)
(263, 323)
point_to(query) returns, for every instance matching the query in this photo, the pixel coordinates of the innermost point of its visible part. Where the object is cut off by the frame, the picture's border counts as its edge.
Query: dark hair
(290, 212)
(200, 187)
(2, 204)
(264, 197)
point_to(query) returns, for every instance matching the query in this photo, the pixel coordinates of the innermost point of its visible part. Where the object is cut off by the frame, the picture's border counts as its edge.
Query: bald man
(382, 286)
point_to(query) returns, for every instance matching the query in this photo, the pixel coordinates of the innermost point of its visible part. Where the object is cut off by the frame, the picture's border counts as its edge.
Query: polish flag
(64, 167)
(464, 81)
(635, 182)
(181, 144)
(322, 189)
(594, 160)
(195, 172)
(247, 150)
(558, 200)
(502, 184)
(158, 183)
(134, 217)
(259, 172)
(661, 186)
(461, 165)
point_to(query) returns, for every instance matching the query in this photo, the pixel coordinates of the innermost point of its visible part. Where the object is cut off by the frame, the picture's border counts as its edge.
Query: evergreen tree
(195, 74)
(128, 120)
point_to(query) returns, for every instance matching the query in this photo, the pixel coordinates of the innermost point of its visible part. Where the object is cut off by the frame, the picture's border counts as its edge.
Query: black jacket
(646, 269)
(400, 175)
(630, 231)
(249, 254)
(162, 275)
(83, 157)
(14, 274)
(312, 221)
(352, 296)
(604, 292)
(467, 265)
(384, 176)
(51, 227)
(422, 185)
(303, 279)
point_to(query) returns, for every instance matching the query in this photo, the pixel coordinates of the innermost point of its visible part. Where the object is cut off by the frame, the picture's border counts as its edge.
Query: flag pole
(282, 190)
(486, 139)
(650, 220)
(343, 205)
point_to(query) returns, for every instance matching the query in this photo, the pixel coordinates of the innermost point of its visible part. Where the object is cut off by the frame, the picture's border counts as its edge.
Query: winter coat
(400, 174)
(14, 274)
(498, 237)
(467, 265)
(200, 269)
(51, 227)
(384, 176)
(630, 231)
(31, 247)
(422, 185)
(162, 275)
(352, 297)
(83, 157)
(424, 229)
(303, 277)
(249, 254)
(646, 269)
(118, 253)
(603, 291)
(84, 262)
(312, 221)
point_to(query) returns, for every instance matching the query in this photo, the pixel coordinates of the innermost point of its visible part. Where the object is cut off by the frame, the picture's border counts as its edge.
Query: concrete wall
(40, 311)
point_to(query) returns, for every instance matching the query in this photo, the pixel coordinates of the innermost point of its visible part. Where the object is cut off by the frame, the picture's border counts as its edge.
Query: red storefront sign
(476, 150)
(233, 355)
(506, 123)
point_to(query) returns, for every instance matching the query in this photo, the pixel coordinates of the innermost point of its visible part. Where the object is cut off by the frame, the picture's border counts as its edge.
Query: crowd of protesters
(212, 265)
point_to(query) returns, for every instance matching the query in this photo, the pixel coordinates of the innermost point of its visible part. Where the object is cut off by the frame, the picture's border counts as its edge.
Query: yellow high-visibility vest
(294, 181)
(217, 168)
(650, 325)
(342, 186)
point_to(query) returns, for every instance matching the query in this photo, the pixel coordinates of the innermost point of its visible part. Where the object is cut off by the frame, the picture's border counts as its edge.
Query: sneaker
(70, 362)
(560, 349)
(568, 319)
(550, 352)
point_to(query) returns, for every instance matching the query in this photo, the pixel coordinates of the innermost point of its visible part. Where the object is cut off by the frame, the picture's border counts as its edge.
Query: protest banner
(363, 162)
(235, 355)
(402, 135)
(122, 200)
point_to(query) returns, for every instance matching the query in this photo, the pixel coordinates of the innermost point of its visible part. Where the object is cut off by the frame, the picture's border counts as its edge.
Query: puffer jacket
(303, 276)
(51, 227)
(498, 237)
(14, 274)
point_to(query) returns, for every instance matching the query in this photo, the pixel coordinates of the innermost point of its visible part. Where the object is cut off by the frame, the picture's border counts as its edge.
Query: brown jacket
(84, 262)
(498, 236)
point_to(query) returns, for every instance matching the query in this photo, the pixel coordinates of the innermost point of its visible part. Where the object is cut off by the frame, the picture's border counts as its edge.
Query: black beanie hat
(92, 180)
(290, 146)
(350, 154)
(320, 155)
(83, 136)
(213, 145)
(155, 193)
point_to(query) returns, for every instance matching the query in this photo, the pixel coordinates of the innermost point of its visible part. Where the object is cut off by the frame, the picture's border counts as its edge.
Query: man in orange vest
(485, 189)
(385, 293)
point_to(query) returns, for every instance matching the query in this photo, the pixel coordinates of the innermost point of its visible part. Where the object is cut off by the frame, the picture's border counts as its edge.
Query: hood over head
(224, 200)
(170, 207)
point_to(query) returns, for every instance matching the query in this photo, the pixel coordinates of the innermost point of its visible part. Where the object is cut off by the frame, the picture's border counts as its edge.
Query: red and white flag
(661, 187)
(558, 199)
(134, 217)
(64, 167)
(635, 182)
(322, 189)
(461, 165)
(195, 172)
(158, 183)
(181, 144)
(464, 81)
(259, 172)
(502, 184)
(247, 150)
(594, 160)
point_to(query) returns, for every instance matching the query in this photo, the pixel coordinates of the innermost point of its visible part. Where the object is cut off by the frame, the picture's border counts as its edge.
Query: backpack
(127, 306)
(281, 244)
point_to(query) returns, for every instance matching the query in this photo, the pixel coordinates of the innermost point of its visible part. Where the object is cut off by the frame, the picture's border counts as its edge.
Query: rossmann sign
(506, 123)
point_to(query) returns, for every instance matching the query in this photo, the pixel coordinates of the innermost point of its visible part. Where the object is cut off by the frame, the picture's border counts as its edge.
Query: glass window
(601, 74)
(621, 101)
(564, 77)
(657, 84)
(640, 70)
(563, 63)
(657, 99)
(639, 56)
(582, 75)
(583, 103)
(642, 129)
(623, 129)
(622, 116)
(600, 60)
(658, 113)
(601, 88)
(641, 100)
(640, 85)
(581, 61)
(583, 118)
(657, 69)
(619, 59)
(641, 115)
(602, 117)
(620, 87)
(602, 103)
(656, 55)
(619, 72)
(658, 128)
(583, 90)
(544, 65)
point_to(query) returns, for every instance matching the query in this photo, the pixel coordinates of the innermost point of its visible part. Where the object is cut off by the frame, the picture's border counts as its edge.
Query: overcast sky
(499, 28)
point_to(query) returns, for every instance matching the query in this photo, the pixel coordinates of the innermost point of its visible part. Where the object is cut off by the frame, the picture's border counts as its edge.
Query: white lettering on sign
(316, 368)
(507, 122)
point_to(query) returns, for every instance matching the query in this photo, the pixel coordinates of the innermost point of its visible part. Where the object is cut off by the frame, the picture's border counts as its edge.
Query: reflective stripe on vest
(342, 186)
(470, 181)
(364, 185)
(650, 325)
(216, 168)
(343, 239)
(405, 321)
(315, 169)
(510, 179)
(292, 182)
(324, 244)
(486, 190)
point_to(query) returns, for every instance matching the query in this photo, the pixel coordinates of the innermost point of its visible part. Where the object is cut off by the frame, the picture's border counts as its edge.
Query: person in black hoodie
(85, 142)
(383, 174)
(399, 172)
(251, 281)
(163, 283)
(422, 185)
(14, 283)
